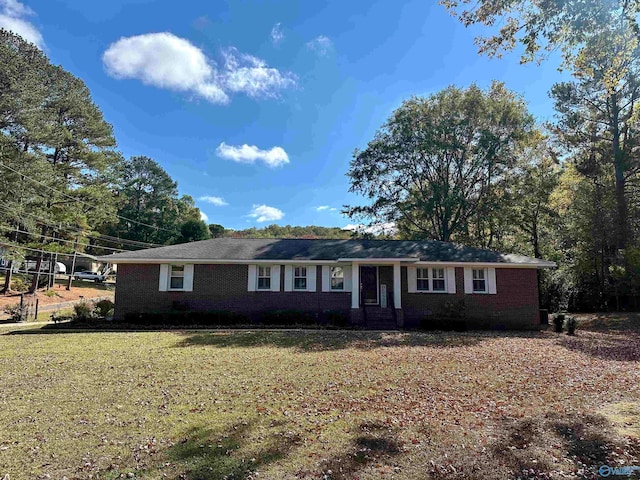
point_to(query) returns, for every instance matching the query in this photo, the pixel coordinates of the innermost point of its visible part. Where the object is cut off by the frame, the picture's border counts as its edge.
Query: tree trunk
(36, 276)
(622, 210)
(7, 278)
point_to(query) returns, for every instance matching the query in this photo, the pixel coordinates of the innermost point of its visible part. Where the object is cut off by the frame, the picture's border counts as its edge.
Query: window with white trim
(299, 278)
(479, 277)
(430, 280)
(264, 278)
(176, 277)
(437, 280)
(422, 275)
(337, 278)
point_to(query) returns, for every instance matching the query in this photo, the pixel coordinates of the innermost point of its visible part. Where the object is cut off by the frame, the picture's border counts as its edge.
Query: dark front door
(369, 285)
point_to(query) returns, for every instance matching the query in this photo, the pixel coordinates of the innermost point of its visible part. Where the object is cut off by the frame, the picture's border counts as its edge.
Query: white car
(94, 276)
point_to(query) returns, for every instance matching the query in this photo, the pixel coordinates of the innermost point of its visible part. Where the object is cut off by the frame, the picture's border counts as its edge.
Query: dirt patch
(60, 294)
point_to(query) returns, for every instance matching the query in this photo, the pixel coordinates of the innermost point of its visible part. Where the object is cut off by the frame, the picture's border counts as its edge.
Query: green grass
(313, 405)
(46, 316)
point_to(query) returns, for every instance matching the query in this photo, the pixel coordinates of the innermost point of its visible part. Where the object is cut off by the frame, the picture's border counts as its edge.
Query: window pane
(264, 271)
(177, 282)
(438, 285)
(438, 273)
(264, 283)
(300, 272)
(177, 270)
(300, 283)
(337, 284)
(337, 272)
(423, 273)
(478, 274)
(479, 286)
(423, 284)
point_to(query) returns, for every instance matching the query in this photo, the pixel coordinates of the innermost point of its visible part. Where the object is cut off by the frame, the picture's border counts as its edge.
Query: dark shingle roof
(304, 249)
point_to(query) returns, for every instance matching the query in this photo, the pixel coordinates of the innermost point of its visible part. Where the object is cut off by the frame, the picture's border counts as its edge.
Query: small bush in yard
(82, 311)
(571, 324)
(57, 317)
(19, 285)
(220, 318)
(104, 308)
(336, 318)
(16, 312)
(558, 321)
(288, 317)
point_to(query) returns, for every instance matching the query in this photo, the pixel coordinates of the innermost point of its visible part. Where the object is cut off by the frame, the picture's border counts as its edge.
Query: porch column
(397, 286)
(355, 285)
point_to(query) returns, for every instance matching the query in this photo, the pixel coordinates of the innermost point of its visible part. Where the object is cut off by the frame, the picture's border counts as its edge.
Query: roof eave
(416, 261)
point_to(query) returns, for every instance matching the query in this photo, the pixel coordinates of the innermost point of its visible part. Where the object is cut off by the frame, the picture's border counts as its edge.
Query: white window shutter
(188, 278)
(311, 278)
(275, 278)
(164, 278)
(412, 279)
(288, 278)
(492, 281)
(326, 278)
(253, 278)
(451, 279)
(468, 280)
(347, 278)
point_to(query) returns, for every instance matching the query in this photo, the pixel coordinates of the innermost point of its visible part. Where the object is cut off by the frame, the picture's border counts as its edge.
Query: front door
(369, 285)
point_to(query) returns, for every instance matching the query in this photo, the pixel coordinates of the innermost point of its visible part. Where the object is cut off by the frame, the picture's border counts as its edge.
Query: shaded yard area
(318, 405)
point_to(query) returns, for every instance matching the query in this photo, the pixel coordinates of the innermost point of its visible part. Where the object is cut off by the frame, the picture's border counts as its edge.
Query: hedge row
(224, 318)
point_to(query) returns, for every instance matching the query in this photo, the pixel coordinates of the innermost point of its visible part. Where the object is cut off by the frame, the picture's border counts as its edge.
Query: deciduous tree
(437, 167)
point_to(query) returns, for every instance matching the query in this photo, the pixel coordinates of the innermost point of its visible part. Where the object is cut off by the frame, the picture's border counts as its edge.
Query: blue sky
(255, 107)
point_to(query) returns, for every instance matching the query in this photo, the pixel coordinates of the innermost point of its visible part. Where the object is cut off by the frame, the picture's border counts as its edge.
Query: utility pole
(73, 268)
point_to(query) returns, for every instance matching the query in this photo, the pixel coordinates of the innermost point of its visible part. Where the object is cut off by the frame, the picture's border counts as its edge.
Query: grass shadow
(310, 341)
(210, 454)
(576, 445)
(612, 346)
(375, 444)
(607, 322)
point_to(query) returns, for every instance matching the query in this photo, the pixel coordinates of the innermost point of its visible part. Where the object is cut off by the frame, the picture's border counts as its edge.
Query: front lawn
(314, 405)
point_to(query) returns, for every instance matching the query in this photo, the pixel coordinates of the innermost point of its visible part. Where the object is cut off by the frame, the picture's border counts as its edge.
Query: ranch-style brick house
(377, 283)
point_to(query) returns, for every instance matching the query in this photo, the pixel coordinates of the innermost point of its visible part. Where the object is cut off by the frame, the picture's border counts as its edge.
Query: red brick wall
(224, 287)
(217, 287)
(515, 305)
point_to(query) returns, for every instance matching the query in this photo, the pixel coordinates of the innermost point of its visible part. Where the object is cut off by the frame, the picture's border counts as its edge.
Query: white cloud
(388, 228)
(327, 208)
(251, 75)
(204, 217)
(277, 35)
(274, 157)
(13, 8)
(264, 213)
(12, 18)
(217, 201)
(322, 45)
(166, 61)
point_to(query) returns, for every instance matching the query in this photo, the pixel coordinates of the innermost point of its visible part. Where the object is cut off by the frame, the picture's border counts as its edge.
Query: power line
(81, 201)
(72, 229)
(62, 240)
(39, 250)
